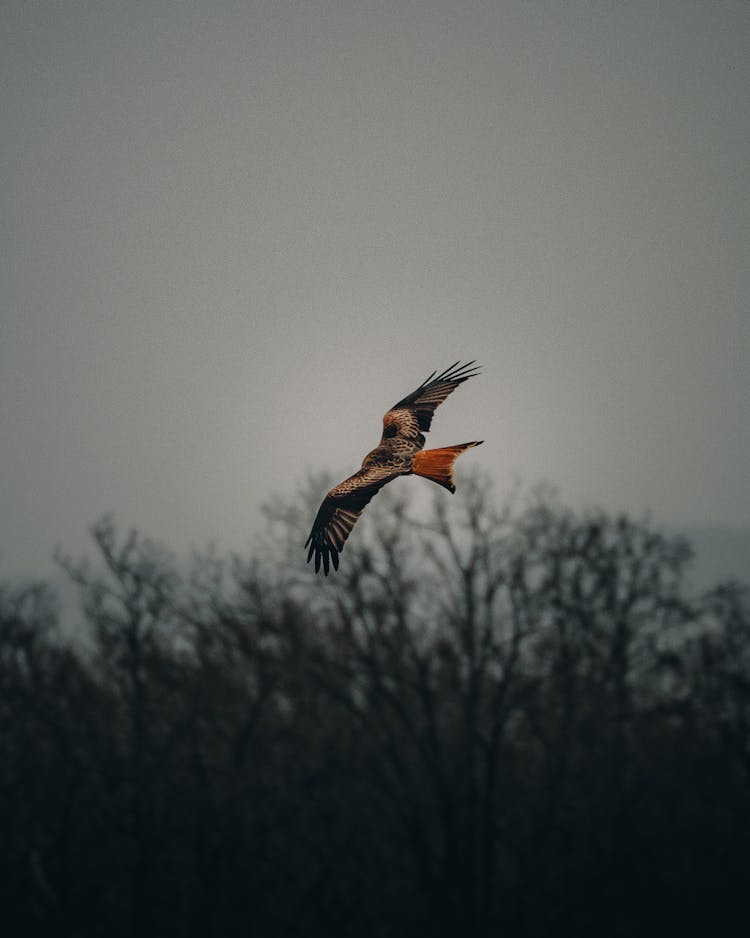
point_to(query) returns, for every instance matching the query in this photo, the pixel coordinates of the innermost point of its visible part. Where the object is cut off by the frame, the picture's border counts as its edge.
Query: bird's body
(398, 453)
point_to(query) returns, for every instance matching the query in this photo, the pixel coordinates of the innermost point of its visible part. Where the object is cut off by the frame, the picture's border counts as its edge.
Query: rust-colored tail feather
(437, 464)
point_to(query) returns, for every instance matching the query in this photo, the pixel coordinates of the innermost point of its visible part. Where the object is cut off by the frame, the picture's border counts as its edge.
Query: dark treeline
(499, 719)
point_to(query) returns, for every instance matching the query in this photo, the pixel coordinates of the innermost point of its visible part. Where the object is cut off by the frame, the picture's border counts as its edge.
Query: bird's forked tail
(437, 464)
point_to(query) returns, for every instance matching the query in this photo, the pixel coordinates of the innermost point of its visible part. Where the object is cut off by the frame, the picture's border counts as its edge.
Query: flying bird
(399, 453)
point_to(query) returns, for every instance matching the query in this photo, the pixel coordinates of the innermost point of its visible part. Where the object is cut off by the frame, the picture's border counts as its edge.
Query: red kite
(399, 453)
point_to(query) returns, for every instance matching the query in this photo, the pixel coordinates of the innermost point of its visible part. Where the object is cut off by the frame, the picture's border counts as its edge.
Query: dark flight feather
(433, 391)
(340, 511)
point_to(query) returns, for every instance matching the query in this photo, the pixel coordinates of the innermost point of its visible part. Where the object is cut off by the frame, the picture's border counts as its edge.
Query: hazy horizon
(235, 234)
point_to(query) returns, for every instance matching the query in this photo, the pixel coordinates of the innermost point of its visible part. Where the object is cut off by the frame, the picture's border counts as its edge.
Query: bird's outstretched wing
(339, 512)
(413, 414)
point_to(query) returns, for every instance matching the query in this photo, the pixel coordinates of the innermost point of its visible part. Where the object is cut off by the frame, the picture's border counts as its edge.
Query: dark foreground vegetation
(496, 721)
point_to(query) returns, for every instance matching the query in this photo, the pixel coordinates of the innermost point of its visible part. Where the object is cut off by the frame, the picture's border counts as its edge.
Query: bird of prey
(399, 453)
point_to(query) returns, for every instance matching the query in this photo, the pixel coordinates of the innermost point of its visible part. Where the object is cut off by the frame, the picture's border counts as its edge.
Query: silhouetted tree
(495, 718)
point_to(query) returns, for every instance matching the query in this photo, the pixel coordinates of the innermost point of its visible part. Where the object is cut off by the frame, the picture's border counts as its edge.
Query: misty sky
(234, 233)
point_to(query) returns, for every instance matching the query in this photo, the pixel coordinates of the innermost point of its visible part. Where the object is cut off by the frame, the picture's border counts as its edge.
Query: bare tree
(495, 717)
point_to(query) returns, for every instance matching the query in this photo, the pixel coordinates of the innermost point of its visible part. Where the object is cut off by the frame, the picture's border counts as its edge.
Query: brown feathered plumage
(399, 453)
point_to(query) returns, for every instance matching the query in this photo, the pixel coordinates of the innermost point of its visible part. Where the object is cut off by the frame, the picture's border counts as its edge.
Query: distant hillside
(721, 553)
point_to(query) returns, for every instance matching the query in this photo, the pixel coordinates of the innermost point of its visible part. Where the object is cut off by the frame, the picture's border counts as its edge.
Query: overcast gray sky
(234, 233)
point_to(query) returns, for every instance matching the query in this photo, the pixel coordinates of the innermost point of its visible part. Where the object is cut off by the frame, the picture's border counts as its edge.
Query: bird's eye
(390, 430)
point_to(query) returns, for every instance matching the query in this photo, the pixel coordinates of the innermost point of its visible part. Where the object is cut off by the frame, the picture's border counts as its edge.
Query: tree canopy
(499, 717)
